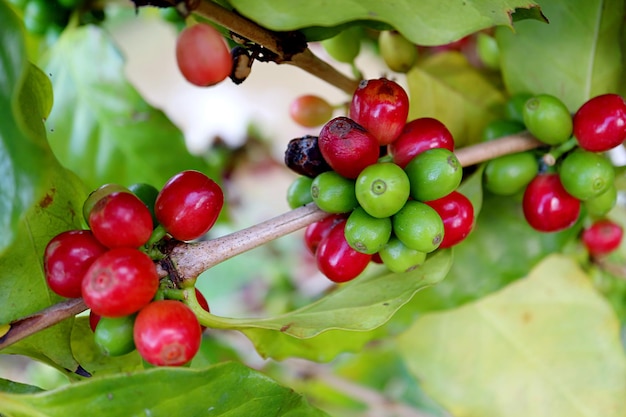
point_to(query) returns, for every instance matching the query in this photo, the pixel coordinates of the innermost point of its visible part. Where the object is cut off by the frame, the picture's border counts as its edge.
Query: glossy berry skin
(548, 119)
(188, 205)
(121, 219)
(148, 194)
(167, 333)
(347, 146)
(365, 233)
(115, 335)
(299, 192)
(120, 282)
(67, 258)
(509, 174)
(600, 123)
(602, 237)
(417, 136)
(586, 174)
(382, 189)
(398, 52)
(457, 213)
(98, 194)
(418, 226)
(398, 258)
(547, 206)
(434, 174)
(333, 193)
(600, 205)
(381, 106)
(202, 55)
(337, 260)
(316, 232)
(310, 110)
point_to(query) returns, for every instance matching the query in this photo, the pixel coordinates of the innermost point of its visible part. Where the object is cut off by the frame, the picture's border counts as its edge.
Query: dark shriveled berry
(304, 157)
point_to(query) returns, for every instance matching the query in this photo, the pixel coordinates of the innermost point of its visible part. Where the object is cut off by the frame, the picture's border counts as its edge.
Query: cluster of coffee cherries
(111, 265)
(389, 185)
(574, 175)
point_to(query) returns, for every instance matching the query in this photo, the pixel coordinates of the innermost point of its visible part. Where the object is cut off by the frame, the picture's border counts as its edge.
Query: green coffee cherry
(488, 51)
(398, 52)
(501, 127)
(433, 174)
(547, 118)
(382, 189)
(345, 46)
(509, 174)
(600, 205)
(586, 174)
(365, 233)
(514, 107)
(333, 193)
(397, 257)
(115, 335)
(148, 194)
(299, 192)
(418, 226)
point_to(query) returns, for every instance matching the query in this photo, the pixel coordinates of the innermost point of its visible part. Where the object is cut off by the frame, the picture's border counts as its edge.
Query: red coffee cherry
(600, 123)
(188, 205)
(602, 237)
(457, 213)
(420, 135)
(67, 258)
(316, 232)
(381, 106)
(547, 206)
(167, 333)
(347, 147)
(202, 55)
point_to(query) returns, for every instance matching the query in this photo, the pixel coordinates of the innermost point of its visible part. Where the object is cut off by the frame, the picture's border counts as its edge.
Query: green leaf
(24, 155)
(24, 291)
(447, 87)
(101, 127)
(325, 328)
(427, 22)
(228, 389)
(17, 387)
(501, 248)
(574, 57)
(545, 346)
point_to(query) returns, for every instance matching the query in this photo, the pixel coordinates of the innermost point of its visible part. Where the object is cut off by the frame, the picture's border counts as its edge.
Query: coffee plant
(454, 239)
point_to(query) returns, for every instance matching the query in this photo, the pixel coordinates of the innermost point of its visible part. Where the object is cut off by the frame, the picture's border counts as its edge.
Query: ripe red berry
(336, 259)
(347, 146)
(121, 219)
(600, 123)
(457, 213)
(67, 258)
(316, 232)
(202, 55)
(167, 333)
(381, 106)
(602, 237)
(188, 205)
(310, 110)
(120, 282)
(94, 319)
(547, 206)
(420, 135)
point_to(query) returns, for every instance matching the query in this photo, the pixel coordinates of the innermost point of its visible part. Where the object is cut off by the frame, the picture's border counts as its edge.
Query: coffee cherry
(120, 282)
(600, 123)
(98, 195)
(417, 136)
(418, 226)
(501, 127)
(336, 259)
(333, 193)
(547, 206)
(381, 106)
(310, 110)
(457, 213)
(602, 237)
(514, 107)
(347, 146)
(600, 205)
(188, 205)
(488, 51)
(167, 333)
(121, 219)
(317, 231)
(382, 189)
(202, 55)
(365, 233)
(94, 319)
(434, 174)
(299, 192)
(304, 157)
(345, 46)
(548, 119)
(115, 335)
(586, 174)
(397, 257)
(398, 52)
(67, 258)
(147, 194)
(509, 174)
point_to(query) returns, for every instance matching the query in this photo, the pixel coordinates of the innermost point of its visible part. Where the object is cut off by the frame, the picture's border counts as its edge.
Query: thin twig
(191, 259)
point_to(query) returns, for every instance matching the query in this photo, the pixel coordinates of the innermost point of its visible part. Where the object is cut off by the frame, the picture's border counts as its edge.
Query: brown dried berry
(304, 157)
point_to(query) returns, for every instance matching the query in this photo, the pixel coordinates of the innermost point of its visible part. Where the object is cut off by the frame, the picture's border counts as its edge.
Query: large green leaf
(545, 346)
(24, 101)
(101, 127)
(501, 248)
(426, 22)
(23, 288)
(447, 87)
(574, 57)
(325, 328)
(228, 389)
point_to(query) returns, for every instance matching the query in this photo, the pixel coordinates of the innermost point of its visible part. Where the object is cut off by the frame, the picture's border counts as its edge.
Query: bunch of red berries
(112, 267)
(390, 185)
